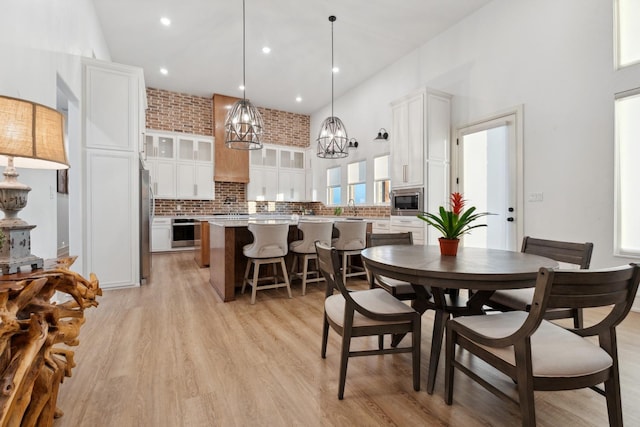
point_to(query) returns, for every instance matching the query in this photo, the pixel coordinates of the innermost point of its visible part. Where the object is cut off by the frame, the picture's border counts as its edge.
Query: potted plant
(453, 223)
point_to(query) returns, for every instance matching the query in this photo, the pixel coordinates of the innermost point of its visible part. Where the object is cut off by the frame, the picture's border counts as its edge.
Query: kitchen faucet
(352, 204)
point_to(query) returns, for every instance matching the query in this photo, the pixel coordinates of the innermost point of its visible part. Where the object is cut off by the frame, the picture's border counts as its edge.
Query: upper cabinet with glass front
(180, 165)
(159, 146)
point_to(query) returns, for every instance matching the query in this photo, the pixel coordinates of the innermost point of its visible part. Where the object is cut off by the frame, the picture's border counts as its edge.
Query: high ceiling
(202, 48)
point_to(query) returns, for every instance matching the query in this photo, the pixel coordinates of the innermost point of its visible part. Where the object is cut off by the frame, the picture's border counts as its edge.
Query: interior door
(489, 175)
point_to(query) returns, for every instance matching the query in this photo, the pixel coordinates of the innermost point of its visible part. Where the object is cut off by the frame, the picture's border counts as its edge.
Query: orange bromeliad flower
(457, 203)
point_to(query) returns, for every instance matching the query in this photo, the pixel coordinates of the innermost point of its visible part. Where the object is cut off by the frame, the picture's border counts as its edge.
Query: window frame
(618, 40)
(388, 178)
(618, 207)
(360, 181)
(330, 187)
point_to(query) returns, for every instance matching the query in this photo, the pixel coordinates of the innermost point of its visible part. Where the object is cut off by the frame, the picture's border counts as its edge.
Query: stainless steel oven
(407, 201)
(185, 232)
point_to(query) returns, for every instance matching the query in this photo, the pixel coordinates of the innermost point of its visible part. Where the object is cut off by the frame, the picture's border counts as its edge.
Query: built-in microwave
(407, 201)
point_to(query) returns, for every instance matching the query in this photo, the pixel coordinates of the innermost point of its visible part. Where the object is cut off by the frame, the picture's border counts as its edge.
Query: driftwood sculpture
(31, 325)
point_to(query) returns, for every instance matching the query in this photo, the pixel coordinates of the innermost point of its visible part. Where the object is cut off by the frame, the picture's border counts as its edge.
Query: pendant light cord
(332, 72)
(244, 84)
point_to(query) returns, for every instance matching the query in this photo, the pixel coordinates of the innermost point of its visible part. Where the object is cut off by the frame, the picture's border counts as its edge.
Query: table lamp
(31, 136)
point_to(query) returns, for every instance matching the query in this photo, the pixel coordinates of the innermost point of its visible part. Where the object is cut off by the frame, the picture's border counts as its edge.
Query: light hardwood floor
(171, 354)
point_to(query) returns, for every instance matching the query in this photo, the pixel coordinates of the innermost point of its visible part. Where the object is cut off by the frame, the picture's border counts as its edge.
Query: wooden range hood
(230, 165)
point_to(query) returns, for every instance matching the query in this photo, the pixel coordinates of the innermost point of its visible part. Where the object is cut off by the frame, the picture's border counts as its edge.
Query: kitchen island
(226, 240)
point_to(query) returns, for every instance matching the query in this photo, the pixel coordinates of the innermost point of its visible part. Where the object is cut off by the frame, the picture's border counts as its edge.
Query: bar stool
(351, 240)
(306, 249)
(269, 247)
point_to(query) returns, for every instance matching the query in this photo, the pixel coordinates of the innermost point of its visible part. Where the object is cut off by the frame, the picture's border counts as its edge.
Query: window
(627, 135)
(334, 190)
(381, 180)
(357, 182)
(628, 32)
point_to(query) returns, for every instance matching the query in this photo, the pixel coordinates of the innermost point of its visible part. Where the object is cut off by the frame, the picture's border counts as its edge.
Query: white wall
(40, 41)
(555, 58)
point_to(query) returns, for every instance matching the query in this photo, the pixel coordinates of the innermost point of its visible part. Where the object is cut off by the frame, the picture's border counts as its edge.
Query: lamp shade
(31, 133)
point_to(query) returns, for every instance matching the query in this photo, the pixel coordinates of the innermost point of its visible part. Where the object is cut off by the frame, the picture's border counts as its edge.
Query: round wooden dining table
(479, 269)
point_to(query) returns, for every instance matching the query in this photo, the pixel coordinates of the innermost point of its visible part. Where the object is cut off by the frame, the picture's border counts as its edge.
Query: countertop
(276, 219)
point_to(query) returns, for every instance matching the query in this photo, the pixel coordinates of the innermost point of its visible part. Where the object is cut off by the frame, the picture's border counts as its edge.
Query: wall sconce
(382, 135)
(352, 144)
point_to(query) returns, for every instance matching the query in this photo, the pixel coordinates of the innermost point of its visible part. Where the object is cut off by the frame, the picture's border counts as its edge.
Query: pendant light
(243, 126)
(332, 138)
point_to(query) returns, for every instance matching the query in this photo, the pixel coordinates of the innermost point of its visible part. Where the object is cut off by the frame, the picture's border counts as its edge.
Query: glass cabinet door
(165, 147)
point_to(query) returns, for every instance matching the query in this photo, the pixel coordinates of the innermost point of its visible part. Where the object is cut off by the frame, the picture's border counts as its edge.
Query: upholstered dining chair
(398, 288)
(362, 313)
(576, 254)
(540, 355)
(269, 246)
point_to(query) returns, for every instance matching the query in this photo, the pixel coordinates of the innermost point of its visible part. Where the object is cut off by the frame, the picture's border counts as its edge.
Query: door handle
(510, 219)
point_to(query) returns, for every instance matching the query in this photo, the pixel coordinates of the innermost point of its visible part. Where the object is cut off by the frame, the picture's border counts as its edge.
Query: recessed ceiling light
(266, 49)
(335, 69)
(298, 99)
(165, 21)
(241, 87)
(164, 71)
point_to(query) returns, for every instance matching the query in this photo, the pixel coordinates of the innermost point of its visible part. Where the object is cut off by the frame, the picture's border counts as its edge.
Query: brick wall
(179, 112)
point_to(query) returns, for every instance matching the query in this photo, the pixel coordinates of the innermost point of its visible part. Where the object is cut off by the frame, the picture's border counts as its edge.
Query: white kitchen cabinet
(407, 147)
(402, 224)
(291, 175)
(381, 226)
(162, 174)
(421, 134)
(194, 181)
(113, 106)
(263, 184)
(438, 164)
(277, 173)
(198, 149)
(291, 185)
(161, 235)
(180, 165)
(159, 146)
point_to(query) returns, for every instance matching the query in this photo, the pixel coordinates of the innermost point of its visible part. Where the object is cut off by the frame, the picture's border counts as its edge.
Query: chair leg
(524, 378)
(345, 260)
(286, 276)
(344, 359)
(305, 269)
(380, 342)
(325, 337)
(254, 287)
(612, 385)
(246, 275)
(415, 343)
(450, 354)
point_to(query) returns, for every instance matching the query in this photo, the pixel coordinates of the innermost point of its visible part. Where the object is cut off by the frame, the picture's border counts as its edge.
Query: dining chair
(269, 246)
(398, 288)
(351, 240)
(370, 312)
(540, 355)
(576, 254)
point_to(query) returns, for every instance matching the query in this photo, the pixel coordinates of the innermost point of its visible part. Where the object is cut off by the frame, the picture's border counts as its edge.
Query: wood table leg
(439, 324)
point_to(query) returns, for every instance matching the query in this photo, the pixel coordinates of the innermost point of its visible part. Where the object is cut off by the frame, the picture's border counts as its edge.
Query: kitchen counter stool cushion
(351, 240)
(362, 313)
(305, 249)
(269, 247)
